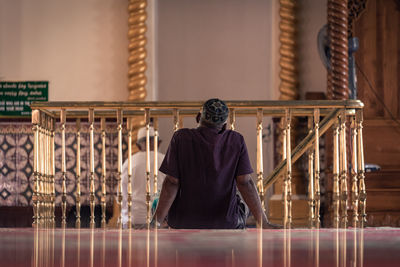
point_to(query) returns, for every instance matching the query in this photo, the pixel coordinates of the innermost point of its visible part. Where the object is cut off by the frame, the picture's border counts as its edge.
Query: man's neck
(211, 126)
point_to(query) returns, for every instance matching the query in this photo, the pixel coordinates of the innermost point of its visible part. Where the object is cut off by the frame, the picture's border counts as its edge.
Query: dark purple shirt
(206, 162)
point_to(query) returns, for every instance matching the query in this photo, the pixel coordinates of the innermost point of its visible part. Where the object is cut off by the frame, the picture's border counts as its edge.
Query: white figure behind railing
(139, 208)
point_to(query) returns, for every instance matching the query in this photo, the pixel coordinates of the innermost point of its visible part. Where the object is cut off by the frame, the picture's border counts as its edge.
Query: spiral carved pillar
(288, 51)
(137, 50)
(338, 75)
(137, 58)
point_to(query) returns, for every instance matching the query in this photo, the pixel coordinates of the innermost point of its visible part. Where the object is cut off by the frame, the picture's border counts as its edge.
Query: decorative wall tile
(16, 163)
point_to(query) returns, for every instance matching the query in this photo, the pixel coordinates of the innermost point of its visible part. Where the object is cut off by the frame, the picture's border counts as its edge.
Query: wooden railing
(47, 117)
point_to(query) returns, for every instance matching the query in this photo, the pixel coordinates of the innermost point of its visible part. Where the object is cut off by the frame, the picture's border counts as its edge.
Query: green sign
(16, 97)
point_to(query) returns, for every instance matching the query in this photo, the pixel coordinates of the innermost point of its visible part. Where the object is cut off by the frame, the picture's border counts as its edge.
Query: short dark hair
(215, 111)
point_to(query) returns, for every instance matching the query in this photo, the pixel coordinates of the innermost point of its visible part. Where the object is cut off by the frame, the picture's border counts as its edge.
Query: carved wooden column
(288, 86)
(137, 50)
(338, 76)
(289, 90)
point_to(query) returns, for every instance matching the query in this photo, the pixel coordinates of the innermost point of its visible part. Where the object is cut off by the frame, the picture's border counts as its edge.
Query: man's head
(141, 139)
(214, 113)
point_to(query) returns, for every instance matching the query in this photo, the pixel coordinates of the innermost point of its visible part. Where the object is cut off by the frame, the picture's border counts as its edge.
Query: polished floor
(252, 247)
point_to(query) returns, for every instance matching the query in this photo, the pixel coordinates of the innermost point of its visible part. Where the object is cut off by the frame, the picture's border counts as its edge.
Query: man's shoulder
(234, 134)
(184, 132)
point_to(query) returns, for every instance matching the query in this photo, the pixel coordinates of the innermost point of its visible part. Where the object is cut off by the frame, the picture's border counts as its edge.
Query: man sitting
(204, 166)
(139, 207)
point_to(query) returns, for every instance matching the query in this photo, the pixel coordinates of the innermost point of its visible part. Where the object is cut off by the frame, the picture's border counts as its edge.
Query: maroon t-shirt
(206, 162)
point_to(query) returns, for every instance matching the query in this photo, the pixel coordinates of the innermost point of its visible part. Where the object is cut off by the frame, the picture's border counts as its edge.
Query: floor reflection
(252, 247)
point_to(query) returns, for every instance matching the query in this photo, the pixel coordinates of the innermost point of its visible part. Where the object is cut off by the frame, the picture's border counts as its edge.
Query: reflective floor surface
(252, 247)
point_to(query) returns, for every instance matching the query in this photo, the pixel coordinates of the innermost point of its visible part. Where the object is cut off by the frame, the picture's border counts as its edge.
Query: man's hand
(271, 226)
(155, 224)
(248, 191)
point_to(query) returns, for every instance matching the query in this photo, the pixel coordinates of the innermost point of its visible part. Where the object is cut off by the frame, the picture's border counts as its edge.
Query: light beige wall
(312, 74)
(215, 49)
(229, 49)
(202, 48)
(80, 46)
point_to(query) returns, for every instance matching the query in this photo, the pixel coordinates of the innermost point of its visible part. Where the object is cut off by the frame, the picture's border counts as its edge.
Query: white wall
(80, 46)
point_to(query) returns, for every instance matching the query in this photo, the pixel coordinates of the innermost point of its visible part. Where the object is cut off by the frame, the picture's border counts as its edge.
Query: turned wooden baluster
(119, 174)
(311, 198)
(361, 171)
(78, 174)
(91, 177)
(260, 167)
(343, 171)
(354, 180)
(287, 192)
(336, 188)
(317, 170)
(63, 170)
(156, 138)
(53, 172)
(129, 189)
(103, 172)
(148, 184)
(35, 195)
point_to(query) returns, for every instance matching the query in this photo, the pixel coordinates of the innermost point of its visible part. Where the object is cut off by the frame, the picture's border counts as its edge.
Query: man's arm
(167, 196)
(248, 191)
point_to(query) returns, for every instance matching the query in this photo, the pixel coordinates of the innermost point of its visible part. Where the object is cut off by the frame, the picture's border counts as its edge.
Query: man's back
(206, 163)
(139, 208)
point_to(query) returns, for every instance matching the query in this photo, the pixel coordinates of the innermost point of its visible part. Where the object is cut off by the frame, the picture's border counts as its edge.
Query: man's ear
(198, 117)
